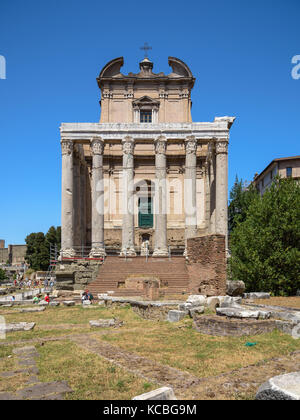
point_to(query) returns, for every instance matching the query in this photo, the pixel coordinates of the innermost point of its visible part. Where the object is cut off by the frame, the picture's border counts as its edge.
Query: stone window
(289, 171)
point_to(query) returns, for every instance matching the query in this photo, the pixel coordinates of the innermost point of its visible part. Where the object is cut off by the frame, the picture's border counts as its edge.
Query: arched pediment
(112, 68)
(179, 68)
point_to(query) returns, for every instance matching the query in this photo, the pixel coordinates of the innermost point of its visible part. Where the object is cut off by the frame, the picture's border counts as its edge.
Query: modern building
(288, 167)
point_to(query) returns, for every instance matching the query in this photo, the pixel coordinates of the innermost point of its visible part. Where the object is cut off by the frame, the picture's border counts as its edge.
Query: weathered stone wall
(76, 275)
(207, 265)
(15, 254)
(217, 326)
(3, 255)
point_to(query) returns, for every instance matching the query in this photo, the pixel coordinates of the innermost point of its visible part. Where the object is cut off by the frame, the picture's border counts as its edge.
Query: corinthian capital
(160, 145)
(222, 146)
(66, 147)
(190, 145)
(97, 146)
(128, 145)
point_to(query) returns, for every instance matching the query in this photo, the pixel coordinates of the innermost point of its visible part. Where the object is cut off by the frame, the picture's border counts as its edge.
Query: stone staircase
(112, 274)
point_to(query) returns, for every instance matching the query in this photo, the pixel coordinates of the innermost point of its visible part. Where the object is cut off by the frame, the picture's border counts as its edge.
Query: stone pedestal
(98, 250)
(161, 247)
(190, 202)
(128, 199)
(67, 225)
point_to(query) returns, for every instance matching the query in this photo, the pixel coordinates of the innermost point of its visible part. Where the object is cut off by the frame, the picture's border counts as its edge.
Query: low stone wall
(217, 326)
(207, 265)
(76, 275)
(146, 309)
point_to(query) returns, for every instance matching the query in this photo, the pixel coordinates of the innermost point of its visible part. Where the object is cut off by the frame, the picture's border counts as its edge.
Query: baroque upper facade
(145, 178)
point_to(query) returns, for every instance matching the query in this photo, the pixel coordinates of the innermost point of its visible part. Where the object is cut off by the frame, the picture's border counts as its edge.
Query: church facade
(146, 177)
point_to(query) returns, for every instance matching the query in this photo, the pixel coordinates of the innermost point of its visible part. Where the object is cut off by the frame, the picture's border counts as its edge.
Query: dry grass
(88, 375)
(290, 302)
(180, 346)
(8, 362)
(177, 345)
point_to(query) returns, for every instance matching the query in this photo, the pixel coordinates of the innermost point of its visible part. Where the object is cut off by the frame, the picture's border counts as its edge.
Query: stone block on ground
(54, 303)
(43, 303)
(282, 387)
(18, 326)
(185, 307)
(175, 315)
(229, 301)
(213, 303)
(101, 303)
(33, 309)
(197, 300)
(86, 302)
(104, 323)
(160, 394)
(242, 313)
(235, 288)
(198, 310)
(69, 302)
(256, 295)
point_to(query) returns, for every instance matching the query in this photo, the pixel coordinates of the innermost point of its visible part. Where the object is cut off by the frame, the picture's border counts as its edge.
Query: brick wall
(207, 265)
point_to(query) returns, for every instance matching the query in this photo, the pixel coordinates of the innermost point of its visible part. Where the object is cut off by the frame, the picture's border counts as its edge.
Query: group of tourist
(86, 295)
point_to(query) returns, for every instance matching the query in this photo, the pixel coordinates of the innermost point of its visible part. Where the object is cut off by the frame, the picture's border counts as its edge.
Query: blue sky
(239, 51)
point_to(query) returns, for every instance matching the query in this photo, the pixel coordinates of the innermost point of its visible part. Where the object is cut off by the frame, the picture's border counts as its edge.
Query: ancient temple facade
(146, 177)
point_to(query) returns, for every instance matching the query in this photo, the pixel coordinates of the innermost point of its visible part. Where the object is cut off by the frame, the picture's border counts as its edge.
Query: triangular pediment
(145, 100)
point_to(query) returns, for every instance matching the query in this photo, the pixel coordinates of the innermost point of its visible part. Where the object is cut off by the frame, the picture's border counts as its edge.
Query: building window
(288, 172)
(146, 116)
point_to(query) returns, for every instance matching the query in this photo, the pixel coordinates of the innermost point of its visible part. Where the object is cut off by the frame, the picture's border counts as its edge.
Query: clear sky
(240, 52)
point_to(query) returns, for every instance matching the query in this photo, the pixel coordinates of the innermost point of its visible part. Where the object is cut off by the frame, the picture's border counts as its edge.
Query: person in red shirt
(47, 298)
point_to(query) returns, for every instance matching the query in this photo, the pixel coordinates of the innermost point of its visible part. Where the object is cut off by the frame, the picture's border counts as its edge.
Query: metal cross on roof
(146, 48)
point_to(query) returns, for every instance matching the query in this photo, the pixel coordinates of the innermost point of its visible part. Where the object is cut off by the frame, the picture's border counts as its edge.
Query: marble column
(190, 191)
(98, 249)
(83, 204)
(222, 186)
(212, 178)
(67, 216)
(76, 202)
(161, 242)
(128, 198)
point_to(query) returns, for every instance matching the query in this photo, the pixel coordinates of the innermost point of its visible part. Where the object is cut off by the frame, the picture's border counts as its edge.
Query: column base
(128, 252)
(97, 252)
(160, 252)
(67, 253)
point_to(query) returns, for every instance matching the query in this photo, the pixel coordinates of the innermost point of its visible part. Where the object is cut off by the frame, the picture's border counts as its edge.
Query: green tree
(241, 197)
(2, 275)
(38, 247)
(53, 237)
(265, 246)
(37, 253)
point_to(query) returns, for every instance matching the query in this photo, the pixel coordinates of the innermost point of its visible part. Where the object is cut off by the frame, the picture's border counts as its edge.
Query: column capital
(128, 145)
(222, 146)
(66, 147)
(160, 145)
(97, 145)
(190, 144)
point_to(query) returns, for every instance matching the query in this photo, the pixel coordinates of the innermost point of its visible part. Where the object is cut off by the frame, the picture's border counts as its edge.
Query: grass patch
(180, 346)
(87, 374)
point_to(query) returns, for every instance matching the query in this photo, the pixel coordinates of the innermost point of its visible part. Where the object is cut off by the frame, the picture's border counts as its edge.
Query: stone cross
(146, 48)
